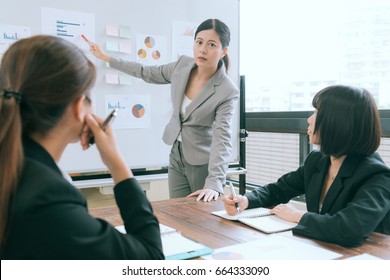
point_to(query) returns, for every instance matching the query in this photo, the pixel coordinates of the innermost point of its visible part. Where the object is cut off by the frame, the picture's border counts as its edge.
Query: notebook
(177, 246)
(260, 219)
(250, 213)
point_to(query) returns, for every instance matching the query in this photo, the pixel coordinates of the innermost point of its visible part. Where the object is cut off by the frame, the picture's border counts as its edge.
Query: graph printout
(69, 25)
(9, 34)
(134, 111)
(151, 49)
(183, 33)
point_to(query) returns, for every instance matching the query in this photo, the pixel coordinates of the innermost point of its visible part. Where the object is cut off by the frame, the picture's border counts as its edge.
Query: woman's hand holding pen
(230, 203)
(105, 143)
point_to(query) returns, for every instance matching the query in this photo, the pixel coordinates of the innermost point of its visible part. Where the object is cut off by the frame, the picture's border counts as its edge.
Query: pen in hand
(106, 122)
(234, 196)
(88, 41)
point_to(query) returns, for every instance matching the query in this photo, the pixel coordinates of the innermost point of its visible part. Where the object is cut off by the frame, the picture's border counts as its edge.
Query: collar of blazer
(346, 170)
(208, 90)
(36, 152)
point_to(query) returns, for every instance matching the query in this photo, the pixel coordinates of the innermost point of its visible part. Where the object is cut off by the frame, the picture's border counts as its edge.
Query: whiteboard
(142, 146)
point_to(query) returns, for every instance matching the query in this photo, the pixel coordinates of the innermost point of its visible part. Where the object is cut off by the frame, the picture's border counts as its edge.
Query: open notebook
(177, 246)
(258, 218)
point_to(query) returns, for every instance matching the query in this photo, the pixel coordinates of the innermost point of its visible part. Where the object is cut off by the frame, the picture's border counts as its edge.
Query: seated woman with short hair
(346, 183)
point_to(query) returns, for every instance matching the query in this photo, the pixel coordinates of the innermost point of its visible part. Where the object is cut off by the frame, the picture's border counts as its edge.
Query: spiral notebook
(250, 213)
(260, 219)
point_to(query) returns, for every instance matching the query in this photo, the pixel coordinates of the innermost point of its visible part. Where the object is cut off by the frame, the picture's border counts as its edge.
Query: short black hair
(347, 121)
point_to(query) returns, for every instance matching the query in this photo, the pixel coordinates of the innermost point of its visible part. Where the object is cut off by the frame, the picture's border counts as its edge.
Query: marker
(88, 41)
(234, 196)
(106, 122)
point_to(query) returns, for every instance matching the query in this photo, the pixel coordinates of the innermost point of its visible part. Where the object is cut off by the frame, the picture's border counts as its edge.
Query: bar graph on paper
(68, 29)
(9, 34)
(69, 25)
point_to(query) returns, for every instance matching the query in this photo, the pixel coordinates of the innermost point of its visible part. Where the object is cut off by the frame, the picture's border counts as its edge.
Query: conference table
(195, 221)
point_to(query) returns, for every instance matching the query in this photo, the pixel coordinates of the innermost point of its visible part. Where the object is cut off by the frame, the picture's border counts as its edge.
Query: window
(289, 50)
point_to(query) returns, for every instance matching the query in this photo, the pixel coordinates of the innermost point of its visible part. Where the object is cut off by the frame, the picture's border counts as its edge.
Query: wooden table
(193, 219)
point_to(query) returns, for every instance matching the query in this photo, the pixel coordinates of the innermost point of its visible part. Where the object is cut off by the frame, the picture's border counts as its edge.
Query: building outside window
(289, 50)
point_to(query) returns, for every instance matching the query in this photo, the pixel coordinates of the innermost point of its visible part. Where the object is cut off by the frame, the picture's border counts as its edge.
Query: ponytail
(11, 156)
(51, 73)
(226, 61)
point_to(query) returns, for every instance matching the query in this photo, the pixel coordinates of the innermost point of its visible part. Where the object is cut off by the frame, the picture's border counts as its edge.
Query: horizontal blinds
(270, 155)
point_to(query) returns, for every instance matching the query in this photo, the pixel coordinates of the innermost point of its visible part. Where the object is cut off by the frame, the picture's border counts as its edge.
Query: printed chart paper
(134, 111)
(151, 49)
(183, 33)
(10, 34)
(69, 25)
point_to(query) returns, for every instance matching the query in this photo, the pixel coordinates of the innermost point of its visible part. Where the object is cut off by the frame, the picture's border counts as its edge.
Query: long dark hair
(347, 121)
(223, 32)
(39, 77)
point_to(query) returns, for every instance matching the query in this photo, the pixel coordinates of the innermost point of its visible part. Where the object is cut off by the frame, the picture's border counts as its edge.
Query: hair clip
(8, 94)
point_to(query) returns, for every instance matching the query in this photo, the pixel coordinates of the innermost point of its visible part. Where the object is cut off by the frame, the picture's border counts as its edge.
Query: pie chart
(149, 42)
(138, 111)
(142, 53)
(156, 55)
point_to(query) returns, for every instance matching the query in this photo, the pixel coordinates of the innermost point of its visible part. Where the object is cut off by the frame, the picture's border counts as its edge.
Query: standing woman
(44, 106)
(203, 98)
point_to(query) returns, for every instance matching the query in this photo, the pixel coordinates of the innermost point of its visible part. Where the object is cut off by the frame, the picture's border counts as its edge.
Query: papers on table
(273, 247)
(363, 257)
(177, 246)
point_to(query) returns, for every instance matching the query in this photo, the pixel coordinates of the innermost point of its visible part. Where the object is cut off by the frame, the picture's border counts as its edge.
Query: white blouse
(184, 105)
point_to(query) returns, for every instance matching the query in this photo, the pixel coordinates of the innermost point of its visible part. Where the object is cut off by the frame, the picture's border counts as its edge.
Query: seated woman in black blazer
(44, 106)
(346, 183)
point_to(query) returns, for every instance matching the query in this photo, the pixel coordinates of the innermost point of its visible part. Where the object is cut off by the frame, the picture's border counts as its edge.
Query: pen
(87, 40)
(234, 196)
(106, 122)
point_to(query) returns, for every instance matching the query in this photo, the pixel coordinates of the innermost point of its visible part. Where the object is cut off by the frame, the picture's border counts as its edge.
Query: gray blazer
(206, 125)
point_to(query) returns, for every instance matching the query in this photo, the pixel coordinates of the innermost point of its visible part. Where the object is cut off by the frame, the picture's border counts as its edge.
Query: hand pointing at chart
(97, 51)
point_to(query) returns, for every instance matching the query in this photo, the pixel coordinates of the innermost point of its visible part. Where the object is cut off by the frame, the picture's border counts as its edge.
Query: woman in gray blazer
(203, 98)
(346, 183)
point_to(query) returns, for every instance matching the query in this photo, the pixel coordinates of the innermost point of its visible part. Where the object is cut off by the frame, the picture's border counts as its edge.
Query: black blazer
(357, 203)
(49, 218)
